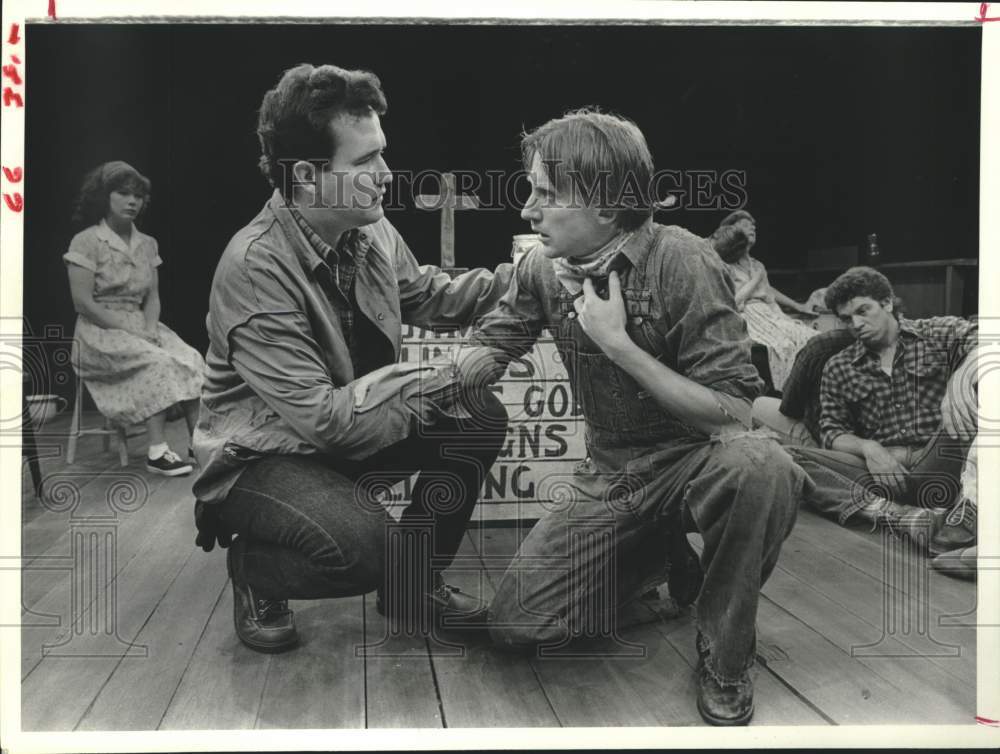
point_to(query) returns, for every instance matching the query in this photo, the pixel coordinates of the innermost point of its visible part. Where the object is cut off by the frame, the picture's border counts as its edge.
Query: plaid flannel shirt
(858, 398)
(343, 263)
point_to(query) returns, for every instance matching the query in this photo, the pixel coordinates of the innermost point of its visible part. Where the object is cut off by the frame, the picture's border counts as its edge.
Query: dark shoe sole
(182, 471)
(725, 721)
(271, 649)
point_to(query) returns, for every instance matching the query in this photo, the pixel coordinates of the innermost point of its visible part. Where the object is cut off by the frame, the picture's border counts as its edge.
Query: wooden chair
(106, 431)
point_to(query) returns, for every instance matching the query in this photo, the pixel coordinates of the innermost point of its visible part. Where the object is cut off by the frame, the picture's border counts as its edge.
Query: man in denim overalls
(644, 319)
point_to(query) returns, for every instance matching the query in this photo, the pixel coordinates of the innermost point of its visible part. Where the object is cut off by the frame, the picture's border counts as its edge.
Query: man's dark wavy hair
(294, 119)
(596, 157)
(860, 281)
(91, 204)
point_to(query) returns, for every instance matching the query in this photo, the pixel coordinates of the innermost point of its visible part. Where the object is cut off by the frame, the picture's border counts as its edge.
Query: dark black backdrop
(840, 131)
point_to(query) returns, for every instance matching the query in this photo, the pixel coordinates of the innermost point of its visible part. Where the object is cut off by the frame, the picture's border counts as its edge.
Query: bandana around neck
(572, 275)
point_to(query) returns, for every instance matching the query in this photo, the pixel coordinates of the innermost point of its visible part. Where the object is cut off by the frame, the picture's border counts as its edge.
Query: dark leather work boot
(729, 704)
(448, 604)
(263, 625)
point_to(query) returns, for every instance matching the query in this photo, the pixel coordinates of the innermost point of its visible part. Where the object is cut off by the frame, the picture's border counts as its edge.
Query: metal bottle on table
(874, 253)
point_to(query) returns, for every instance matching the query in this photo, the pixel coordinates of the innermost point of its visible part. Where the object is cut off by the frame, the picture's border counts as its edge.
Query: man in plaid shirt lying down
(898, 413)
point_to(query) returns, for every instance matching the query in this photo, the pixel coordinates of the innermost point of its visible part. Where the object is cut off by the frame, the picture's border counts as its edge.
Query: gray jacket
(279, 375)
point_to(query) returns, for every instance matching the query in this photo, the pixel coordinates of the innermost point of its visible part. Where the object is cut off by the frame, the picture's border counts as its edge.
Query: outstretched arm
(790, 303)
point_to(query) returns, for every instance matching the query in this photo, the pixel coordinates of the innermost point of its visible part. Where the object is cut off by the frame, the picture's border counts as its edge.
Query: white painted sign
(544, 438)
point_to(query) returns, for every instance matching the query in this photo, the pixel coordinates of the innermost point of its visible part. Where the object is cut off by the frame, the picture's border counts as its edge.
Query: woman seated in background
(756, 300)
(135, 367)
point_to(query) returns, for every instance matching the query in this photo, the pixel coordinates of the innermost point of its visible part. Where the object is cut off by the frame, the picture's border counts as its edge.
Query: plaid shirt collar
(862, 354)
(354, 243)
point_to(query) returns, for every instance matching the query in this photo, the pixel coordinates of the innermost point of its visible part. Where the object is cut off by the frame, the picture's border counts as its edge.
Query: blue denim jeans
(311, 527)
(595, 554)
(843, 484)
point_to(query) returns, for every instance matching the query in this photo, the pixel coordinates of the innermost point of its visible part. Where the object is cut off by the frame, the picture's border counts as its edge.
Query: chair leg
(74, 426)
(122, 445)
(30, 449)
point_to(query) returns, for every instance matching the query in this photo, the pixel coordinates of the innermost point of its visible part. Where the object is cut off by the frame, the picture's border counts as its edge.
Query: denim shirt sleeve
(705, 332)
(429, 297)
(510, 330)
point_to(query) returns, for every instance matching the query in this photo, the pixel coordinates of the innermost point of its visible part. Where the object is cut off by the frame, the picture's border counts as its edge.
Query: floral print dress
(766, 323)
(129, 378)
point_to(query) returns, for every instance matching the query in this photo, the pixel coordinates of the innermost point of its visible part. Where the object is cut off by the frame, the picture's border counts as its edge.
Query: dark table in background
(928, 289)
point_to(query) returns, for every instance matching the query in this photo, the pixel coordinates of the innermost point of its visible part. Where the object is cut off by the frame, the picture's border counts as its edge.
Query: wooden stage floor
(852, 630)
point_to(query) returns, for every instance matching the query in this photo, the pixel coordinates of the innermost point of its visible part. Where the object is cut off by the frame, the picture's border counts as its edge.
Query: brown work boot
(723, 704)
(958, 530)
(448, 604)
(263, 625)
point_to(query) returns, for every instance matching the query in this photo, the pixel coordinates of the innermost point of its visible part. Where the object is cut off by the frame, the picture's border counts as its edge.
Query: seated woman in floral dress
(756, 300)
(135, 367)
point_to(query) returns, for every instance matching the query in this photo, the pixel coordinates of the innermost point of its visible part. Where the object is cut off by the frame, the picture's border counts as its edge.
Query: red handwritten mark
(987, 721)
(11, 72)
(15, 175)
(16, 204)
(15, 34)
(52, 9)
(984, 8)
(9, 95)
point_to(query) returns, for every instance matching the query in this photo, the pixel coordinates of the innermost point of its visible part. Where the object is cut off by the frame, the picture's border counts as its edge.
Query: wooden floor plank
(401, 692)
(162, 528)
(52, 445)
(89, 479)
(898, 625)
(58, 690)
(164, 522)
(222, 685)
(657, 689)
(842, 688)
(90, 456)
(171, 636)
(484, 686)
(92, 486)
(865, 551)
(54, 532)
(320, 683)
